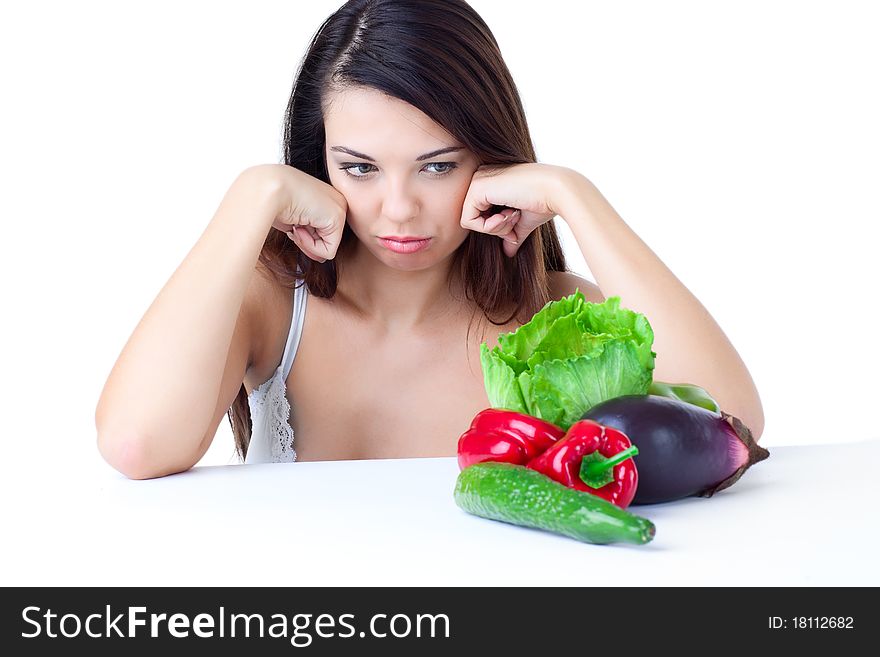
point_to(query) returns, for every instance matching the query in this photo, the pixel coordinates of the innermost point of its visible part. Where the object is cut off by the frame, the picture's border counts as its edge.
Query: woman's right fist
(311, 212)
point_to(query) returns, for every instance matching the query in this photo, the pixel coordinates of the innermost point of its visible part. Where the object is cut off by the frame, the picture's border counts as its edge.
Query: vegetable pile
(579, 430)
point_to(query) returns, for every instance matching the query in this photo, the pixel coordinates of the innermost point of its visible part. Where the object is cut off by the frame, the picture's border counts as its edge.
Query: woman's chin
(409, 264)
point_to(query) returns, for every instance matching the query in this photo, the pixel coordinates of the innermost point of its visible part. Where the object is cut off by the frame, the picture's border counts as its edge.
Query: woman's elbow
(129, 457)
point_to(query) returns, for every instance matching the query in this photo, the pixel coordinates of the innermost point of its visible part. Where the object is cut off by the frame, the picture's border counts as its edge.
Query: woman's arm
(690, 346)
(161, 394)
(185, 362)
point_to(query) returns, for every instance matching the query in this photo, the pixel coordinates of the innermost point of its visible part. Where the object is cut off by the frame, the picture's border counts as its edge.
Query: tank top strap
(300, 293)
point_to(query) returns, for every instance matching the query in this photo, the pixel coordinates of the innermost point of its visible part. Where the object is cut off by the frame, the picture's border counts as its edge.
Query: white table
(805, 516)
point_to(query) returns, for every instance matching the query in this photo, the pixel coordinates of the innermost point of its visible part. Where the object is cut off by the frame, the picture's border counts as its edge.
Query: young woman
(408, 223)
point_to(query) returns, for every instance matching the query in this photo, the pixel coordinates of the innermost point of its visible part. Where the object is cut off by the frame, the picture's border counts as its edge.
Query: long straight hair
(440, 57)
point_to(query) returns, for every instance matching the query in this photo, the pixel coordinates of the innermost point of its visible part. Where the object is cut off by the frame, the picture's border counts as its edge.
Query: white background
(740, 140)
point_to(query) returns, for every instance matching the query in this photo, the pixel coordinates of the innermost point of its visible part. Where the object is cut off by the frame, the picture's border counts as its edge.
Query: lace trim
(280, 434)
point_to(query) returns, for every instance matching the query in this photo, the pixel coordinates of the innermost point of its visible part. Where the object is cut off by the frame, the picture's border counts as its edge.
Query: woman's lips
(408, 246)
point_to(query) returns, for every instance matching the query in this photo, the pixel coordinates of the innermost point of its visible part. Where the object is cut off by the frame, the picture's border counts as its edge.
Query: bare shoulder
(564, 283)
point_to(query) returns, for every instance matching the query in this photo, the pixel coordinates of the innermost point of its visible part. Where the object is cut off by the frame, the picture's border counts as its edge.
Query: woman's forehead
(374, 124)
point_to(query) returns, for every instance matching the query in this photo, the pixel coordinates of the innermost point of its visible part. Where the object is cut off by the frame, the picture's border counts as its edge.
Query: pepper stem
(596, 468)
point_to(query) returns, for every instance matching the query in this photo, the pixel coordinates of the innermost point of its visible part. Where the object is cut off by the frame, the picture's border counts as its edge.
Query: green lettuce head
(570, 356)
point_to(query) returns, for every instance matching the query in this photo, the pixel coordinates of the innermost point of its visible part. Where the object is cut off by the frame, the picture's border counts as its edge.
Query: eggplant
(684, 450)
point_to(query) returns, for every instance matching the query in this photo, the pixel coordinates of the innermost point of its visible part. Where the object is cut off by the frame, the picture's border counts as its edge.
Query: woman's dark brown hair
(440, 57)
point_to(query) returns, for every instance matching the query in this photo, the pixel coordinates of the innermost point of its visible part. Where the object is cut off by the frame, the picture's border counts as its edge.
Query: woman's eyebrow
(441, 151)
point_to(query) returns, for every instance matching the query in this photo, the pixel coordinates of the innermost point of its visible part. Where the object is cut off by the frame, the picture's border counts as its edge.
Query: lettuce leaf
(570, 356)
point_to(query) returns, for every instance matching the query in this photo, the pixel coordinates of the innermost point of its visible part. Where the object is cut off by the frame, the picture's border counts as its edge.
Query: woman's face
(390, 188)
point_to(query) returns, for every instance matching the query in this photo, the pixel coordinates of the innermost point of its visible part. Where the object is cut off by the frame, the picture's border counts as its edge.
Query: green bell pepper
(686, 392)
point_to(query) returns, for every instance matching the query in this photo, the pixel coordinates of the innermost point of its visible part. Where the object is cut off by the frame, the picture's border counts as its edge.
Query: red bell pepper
(592, 458)
(497, 434)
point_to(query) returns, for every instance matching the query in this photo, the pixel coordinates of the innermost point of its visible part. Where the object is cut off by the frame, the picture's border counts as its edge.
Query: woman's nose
(399, 202)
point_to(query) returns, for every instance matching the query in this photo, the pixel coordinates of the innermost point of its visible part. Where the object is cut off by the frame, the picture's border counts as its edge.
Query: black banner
(433, 620)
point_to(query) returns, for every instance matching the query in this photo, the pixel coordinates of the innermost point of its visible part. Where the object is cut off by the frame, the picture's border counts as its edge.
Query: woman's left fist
(512, 200)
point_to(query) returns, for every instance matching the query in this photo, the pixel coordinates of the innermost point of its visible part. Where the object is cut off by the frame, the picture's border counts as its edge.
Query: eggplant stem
(756, 454)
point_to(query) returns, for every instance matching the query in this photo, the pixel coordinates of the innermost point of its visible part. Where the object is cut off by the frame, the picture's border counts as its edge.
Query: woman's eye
(451, 166)
(448, 167)
(355, 166)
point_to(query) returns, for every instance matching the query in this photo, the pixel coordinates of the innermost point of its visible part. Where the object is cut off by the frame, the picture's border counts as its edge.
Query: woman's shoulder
(565, 283)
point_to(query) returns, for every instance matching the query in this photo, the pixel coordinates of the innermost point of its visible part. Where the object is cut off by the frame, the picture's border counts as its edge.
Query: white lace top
(272, 435)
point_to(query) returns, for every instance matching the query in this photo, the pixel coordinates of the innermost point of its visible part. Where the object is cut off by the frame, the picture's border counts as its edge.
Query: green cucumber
(522, 496)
